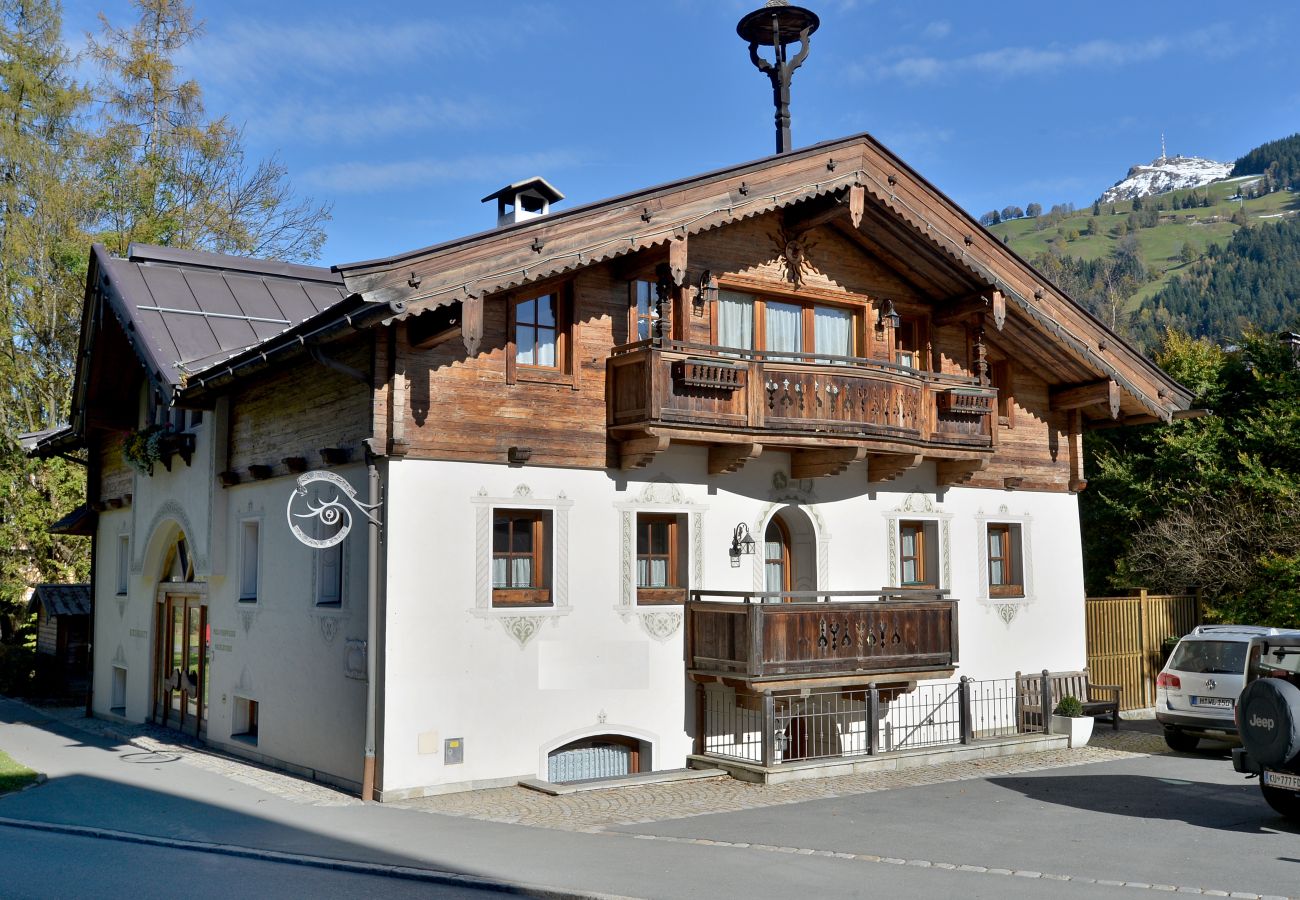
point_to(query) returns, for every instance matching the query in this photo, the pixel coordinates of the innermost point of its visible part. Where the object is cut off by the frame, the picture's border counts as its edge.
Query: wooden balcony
(827, 637)
(840, 407)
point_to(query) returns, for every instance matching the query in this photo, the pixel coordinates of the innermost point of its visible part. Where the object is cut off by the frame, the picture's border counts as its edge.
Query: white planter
(1079, 730)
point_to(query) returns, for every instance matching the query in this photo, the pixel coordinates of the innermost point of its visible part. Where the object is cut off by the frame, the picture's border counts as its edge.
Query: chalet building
(578, 462)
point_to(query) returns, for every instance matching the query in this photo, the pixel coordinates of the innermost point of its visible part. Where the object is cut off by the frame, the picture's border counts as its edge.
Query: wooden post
(769, 729)
(873, 718)
(1144, 641)
(964, 710)
(1045, 698)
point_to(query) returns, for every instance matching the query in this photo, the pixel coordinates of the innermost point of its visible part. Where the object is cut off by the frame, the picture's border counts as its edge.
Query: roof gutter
(360, 314)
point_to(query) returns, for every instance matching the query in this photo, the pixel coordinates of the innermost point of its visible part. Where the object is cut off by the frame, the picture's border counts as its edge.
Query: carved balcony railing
(676, 385)
(769, 636)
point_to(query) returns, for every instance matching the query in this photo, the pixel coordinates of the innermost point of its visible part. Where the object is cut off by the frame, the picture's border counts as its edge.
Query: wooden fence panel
(1125, 637)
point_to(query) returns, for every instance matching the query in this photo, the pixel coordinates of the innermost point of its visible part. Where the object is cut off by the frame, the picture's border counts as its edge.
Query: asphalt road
(1176, 821)
(45, 866)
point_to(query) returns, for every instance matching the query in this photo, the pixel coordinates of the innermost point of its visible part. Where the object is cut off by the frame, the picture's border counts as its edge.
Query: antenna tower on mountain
(1163, 155)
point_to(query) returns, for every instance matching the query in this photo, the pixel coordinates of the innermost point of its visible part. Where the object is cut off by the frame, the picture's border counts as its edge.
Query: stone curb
(383, 870)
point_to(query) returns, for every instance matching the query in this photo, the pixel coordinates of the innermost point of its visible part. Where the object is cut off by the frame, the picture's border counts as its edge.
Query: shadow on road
(1149, 797)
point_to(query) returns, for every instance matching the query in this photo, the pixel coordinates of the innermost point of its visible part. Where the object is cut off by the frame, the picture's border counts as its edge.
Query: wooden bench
(1096, 699)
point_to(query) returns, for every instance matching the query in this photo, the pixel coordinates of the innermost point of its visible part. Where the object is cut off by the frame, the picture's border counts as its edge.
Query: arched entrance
(181, 638)
(790, 552)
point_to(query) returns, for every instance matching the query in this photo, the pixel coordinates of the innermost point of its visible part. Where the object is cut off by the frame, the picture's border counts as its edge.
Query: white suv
(1197, 690)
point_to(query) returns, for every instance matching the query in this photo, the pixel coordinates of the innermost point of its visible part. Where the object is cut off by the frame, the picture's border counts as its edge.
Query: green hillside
(1161, 234)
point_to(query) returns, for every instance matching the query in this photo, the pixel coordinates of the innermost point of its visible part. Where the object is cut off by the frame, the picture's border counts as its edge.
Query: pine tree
(42, 273)
(169, 174)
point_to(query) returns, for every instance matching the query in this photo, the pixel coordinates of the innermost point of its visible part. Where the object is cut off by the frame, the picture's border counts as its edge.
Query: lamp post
(778, 24)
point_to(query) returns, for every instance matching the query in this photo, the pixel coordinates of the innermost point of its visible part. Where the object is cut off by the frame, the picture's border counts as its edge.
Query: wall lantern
(887, 314)
(742, 544)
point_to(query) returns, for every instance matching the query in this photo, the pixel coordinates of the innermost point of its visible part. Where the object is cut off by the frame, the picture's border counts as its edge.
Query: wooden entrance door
(777, 559)
(181, 697)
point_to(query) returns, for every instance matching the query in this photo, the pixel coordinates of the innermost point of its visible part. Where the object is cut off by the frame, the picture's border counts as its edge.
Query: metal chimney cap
(757, 27)
(536, 183)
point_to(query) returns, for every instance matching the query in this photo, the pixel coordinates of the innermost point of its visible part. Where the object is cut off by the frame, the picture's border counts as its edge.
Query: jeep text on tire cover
(1269, 713)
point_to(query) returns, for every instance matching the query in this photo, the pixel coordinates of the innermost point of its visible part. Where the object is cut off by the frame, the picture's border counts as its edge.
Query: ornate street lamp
(778, 24)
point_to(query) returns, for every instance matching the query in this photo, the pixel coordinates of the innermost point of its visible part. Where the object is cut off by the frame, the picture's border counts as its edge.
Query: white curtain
(735, 320)
(514, 572)
(652, 573)
(784, 327)
(832, 331)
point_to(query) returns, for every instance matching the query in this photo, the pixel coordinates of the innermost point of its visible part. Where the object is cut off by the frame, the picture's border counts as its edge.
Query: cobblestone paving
(595, 810)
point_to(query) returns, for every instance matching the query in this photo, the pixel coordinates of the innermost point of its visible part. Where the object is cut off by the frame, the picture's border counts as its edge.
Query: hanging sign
(332, 513)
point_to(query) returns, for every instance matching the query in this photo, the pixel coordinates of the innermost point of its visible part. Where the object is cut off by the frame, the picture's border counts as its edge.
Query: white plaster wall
(454, 671)
(282, 651)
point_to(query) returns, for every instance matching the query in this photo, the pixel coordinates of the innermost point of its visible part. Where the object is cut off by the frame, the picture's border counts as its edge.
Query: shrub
(1069, 706)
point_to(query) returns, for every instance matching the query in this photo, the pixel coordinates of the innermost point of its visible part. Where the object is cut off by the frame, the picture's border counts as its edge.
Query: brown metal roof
(61, 599)
(188, 310)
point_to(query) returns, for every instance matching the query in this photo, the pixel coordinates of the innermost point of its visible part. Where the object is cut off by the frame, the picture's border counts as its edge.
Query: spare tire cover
(1268, 714)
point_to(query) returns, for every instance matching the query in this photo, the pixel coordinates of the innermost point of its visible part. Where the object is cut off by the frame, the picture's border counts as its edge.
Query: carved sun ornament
(793, 255)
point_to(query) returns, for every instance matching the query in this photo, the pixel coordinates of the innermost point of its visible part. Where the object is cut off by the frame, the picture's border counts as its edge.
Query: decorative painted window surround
(659, 496)
(917, 507)
(520, 623)
(801, 494)
(1006, 607)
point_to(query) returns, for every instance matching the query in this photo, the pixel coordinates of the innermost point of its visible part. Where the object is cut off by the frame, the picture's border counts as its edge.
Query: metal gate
(1126, 636)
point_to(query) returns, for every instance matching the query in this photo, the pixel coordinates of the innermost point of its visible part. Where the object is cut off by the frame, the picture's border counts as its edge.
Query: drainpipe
(372, 626)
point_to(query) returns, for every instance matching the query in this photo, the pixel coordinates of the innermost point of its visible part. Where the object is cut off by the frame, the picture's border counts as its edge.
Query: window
(1006, 578)
(329, 576)
(917, 553)
(123, 564)
(784, 326)
(520, 555)
(776, 556)
(537, 332)
(644, 297)
(244, 726)
(660, 559)
(249, 546)
(118, 705)
(907, 344)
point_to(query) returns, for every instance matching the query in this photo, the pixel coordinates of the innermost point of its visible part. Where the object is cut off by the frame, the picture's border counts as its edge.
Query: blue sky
(404, 114)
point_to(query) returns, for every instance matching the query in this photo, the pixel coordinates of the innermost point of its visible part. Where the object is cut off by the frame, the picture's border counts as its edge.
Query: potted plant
(144, 447)
(1068, 719)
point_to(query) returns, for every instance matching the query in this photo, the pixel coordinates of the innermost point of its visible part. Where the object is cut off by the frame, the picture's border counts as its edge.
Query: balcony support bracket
(818, 463)
(958, 471)
(638, 452)
(726, 458)
(888, 466)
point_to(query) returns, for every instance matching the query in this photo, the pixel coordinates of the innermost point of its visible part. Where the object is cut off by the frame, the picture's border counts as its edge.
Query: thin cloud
(357, 121)
(937, 31)
(250, 50)
(1010, 62)
(361, 176)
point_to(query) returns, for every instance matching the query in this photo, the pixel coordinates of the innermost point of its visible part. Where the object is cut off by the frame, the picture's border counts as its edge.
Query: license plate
(1282, 780)
(1219, 702)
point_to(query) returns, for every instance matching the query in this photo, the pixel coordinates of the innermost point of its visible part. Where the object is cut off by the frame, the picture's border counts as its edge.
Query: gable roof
(186, 310)
(61, 599)
(905, 218)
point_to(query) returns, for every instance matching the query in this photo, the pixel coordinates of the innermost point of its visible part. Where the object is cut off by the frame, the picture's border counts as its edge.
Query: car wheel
(1286, 803)
(1181, 740)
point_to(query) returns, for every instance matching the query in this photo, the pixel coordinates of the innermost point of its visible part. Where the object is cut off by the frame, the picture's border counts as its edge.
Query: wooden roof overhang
(854, 184)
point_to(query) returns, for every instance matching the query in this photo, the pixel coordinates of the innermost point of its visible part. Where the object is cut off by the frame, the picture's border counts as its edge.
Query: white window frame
(918, 507)
(123, 564)
(245, 594)
(1026, 559)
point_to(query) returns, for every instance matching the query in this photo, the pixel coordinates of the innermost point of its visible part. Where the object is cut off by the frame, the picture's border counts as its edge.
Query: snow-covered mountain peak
(1166, 173)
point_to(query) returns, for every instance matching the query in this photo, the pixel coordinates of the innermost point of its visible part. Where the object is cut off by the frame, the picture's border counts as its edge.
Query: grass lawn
(13, 775)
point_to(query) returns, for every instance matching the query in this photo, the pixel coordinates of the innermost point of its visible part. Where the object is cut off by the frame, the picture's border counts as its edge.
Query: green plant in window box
(1069, 707)
(144, 447)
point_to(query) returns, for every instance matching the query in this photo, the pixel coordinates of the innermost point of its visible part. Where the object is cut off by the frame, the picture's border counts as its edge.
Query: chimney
(524, 200)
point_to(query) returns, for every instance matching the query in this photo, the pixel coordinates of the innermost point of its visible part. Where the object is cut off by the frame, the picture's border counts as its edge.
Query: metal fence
(840, 722)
